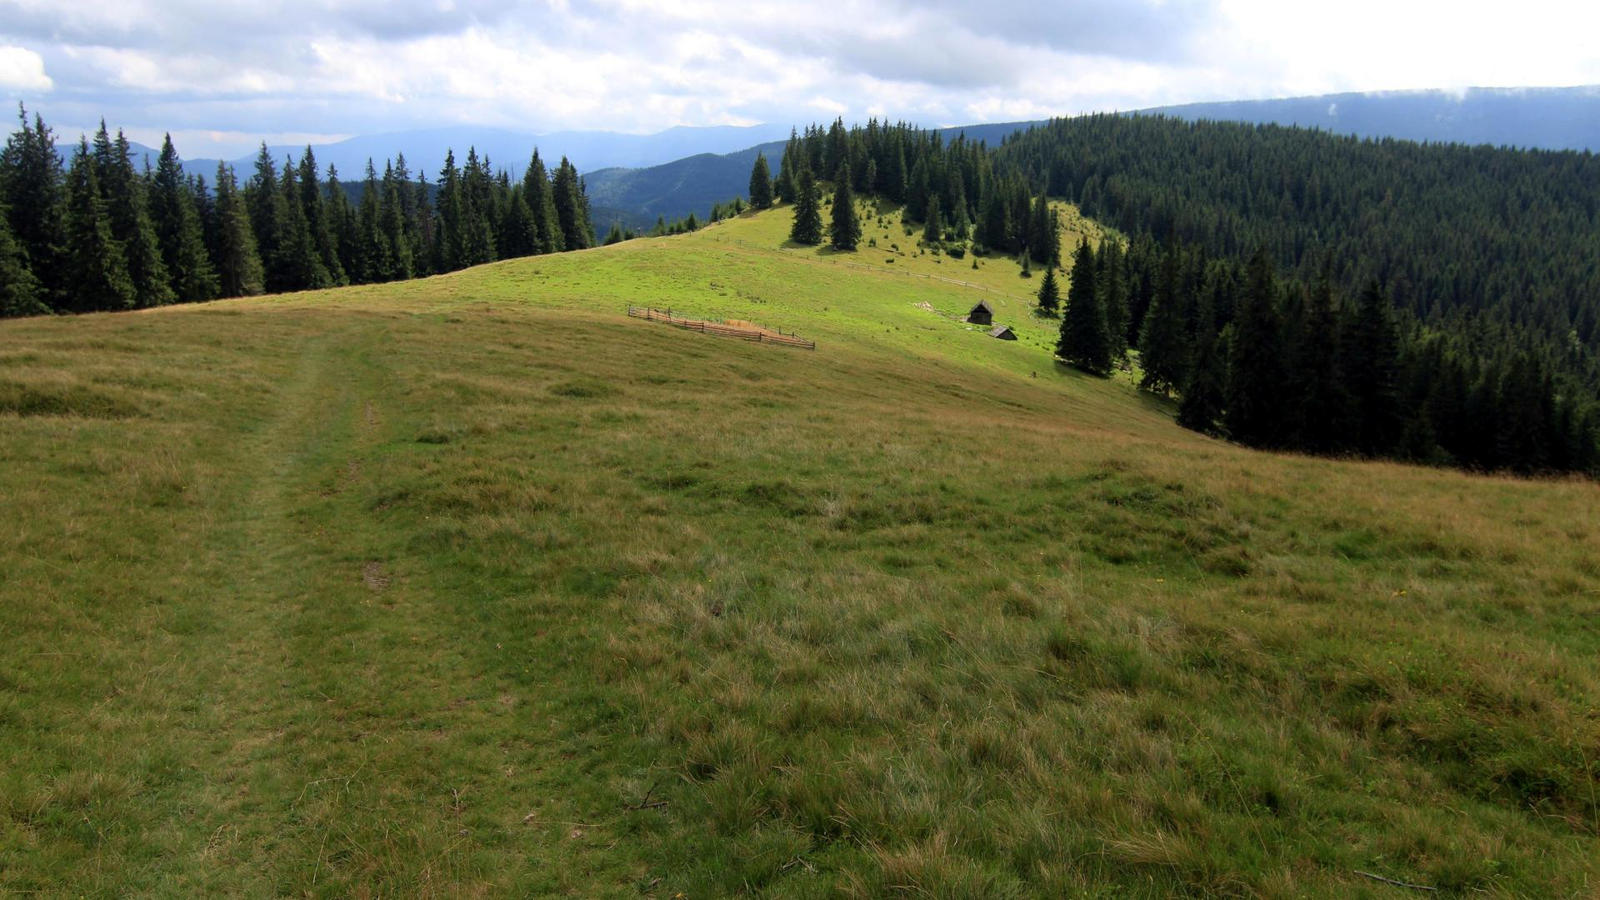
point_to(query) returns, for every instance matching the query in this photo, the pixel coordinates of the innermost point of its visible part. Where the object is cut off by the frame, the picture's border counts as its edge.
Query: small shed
(1003, 332)
(982, 314)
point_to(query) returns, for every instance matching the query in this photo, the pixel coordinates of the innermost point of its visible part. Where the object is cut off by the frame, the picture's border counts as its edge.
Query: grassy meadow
(473, 586)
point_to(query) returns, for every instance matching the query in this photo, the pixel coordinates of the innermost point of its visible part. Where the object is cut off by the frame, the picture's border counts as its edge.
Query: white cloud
(22, 70)
(367, 66)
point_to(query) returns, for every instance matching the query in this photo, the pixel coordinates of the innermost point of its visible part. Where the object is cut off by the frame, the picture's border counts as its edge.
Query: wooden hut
(1003, 332)
(982, 314)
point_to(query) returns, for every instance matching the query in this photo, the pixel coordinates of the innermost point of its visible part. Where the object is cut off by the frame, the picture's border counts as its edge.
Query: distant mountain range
(1545, 118)
(633, 179)
(589, 150)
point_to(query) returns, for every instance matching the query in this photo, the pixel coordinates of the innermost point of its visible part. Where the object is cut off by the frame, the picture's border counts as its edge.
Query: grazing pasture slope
(476, 586)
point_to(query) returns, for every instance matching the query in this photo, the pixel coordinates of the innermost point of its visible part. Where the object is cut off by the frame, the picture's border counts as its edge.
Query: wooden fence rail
(756, 335)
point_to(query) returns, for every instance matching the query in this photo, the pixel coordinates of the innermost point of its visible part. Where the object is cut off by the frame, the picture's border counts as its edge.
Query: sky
(222, 76)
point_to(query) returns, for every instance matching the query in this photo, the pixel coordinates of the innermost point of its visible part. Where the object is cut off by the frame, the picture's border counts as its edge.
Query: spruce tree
(932, 221)
(451, 207)
(1084, 342)
(536, 190)
(1164, 345)
(1255, 383)
(96, 272)
(1044, 244)
(807, 228)
(396, 224)
(1204, 386)
(787, 184)
(1049, 293)
(124, 193)
(917, 193)
(299, 263)
(519, 235)
(239, 271)
(845, 229)
(343, 223)
(1370, 364)
(477, 209)
(760, 183)
(263, 203)
(31, 188)
(992, 226)
(1318, 383)
(178, 230)
(572, 207)
(19, 290)
(318, 225)
(1112, 282)
(371, 262)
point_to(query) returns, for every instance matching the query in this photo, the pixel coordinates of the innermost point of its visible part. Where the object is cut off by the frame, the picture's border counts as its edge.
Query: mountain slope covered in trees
(100, 234)
(1486, 254)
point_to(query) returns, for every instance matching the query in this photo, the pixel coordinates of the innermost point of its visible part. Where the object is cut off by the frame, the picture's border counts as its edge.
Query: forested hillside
(1487, 254)
(99, 234)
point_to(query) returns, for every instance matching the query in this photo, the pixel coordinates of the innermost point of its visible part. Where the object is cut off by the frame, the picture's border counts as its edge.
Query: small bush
(958, 252)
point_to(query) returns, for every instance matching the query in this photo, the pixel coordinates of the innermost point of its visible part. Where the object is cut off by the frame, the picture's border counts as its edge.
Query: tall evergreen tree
(1111, 281)
(1204, 386)
(541, 202)
(1164, 345)
(1370, 366)
(318, 224)
(264, 204)
(395, 223)
(124, 194)
(787, 185)
(96, 272)
(807, 228)
(991, 229)
(1049, 293)
(177, 228)
(31, 189)
(452, 205)
(932, 221)
(572, 207)
(845, 229)
(20, 294)
(760, 183)
(298, 264)
(1317, 382)
(239, 270)
(477, 211)
(1084, 342)
(1044, 243)
(519, 235)
(371, 262)
(343, 223)
(1255, 361)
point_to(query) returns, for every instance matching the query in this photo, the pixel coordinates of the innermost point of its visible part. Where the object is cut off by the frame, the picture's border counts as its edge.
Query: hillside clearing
(473, 586)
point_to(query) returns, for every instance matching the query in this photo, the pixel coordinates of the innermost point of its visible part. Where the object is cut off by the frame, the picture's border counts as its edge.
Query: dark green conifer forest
(1436, 303)
(96, 233)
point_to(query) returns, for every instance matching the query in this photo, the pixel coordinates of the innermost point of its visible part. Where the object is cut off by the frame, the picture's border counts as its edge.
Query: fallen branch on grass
(1404, 884)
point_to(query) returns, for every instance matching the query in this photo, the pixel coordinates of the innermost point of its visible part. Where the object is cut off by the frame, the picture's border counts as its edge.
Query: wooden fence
(757, 334)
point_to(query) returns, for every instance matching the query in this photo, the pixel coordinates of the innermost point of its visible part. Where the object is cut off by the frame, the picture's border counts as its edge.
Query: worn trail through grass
(475, 586)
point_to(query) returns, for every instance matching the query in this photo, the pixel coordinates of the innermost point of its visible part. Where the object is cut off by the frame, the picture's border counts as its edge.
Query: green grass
(422, 589)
